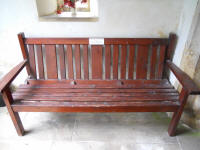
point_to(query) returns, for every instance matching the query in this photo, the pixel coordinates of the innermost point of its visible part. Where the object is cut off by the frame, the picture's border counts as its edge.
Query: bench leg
(177, 115)
(14, 115)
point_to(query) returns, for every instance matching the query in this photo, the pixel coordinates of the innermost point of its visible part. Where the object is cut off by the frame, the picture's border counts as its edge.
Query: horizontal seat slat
(49, 94)
(125, 90)
(97, 98)
(166, 106)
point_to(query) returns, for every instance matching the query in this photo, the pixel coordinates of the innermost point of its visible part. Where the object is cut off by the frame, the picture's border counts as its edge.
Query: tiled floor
(95, 131)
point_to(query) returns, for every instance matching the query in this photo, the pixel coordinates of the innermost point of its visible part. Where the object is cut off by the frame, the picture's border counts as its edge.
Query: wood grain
(51, 62)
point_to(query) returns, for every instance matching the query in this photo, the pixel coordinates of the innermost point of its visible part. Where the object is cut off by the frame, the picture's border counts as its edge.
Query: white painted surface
(96, 41)
(127, 18)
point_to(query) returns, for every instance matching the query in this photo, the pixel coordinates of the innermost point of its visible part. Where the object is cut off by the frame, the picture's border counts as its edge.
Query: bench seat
(95, 96)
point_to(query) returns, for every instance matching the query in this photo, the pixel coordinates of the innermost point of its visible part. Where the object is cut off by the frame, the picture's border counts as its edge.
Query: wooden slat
(51, 61)
(142, 60)
(85, 62)
(95, 90)
(161, 61)
(95, 98)
(54, 41)
(131, 61)
(139, 41)
(95, 106)
(61, 55)
(123, 61)
(138, 95)
(97, 58)
(69, 56)
(153, 62)
(40, 61)
(32, 61)
(163, 84)
(115, 61)
(107, 61)
(77, 56)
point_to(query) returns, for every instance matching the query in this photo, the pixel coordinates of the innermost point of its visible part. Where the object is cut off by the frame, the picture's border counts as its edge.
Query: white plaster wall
(117, 18)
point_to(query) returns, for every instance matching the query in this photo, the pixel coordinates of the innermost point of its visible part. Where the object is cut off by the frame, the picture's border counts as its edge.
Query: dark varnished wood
(85, 62)
(97, 65)
(142, 58)
(51, 61)
(131, 61)
(123, 61)
(70, 62)
(153, 62)
(9, 77)
(14, 115)
(183, 78)
(78, 61)
(32, 61)
(107, 61)
(100, 83)
(21, 38)
(177, 114)
(115, 61)
(161, 61)
(95, 107)
(76, 94)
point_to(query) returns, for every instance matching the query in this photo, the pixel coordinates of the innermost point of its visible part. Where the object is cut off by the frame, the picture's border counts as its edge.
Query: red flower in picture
(69, 3)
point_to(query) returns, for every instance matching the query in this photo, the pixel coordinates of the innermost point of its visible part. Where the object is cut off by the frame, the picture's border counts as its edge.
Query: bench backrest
(115, 58)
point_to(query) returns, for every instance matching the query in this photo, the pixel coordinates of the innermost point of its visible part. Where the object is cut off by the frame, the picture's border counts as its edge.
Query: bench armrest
(10, 76)
(183, 78)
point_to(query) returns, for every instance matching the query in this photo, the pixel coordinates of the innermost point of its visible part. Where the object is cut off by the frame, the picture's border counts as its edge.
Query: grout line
(179, 143)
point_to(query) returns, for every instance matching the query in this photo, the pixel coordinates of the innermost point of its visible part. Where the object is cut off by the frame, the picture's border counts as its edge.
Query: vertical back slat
(77, 56)
(107, 61)
(51, 61)
(142, 60)
(131, 61)
(153, 62)
(32, 61)
(61, 54)
(40, 61)
(123, 61)
(69, 56)
(97, 58)
(85, 62)
(161, 61)
(115, 61)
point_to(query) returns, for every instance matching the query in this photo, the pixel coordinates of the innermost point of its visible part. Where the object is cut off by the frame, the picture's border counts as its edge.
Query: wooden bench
(114, 75)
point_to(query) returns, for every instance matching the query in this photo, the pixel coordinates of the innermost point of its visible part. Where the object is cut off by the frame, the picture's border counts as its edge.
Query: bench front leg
(7, 96)
(177, 114)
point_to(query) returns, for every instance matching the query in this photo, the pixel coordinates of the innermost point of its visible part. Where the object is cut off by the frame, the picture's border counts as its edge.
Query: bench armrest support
(183, 78)
(10, 76)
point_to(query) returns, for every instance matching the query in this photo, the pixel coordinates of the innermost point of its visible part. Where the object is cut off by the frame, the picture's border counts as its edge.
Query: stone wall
(190, 63)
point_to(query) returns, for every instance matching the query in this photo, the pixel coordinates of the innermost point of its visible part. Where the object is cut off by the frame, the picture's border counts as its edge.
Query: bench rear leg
(177, 115)
(14, 115)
